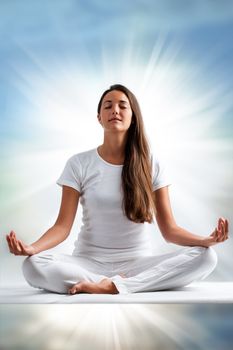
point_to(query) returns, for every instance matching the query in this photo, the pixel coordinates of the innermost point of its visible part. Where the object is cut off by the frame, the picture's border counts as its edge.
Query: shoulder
(160, 174)
(155, 159)
(82, 157)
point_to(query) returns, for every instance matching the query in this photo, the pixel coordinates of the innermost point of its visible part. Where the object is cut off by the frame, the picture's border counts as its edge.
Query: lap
(135, 266)
(129, 268)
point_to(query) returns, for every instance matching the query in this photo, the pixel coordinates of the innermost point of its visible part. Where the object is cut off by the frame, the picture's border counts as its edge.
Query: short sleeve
(160, 177)
(71, 174)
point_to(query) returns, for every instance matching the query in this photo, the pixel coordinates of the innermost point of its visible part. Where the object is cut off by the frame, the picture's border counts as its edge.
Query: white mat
(202, 292)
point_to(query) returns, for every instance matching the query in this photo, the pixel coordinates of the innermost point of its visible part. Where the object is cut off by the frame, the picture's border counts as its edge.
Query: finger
(16, 239)
(18, 246)
(22, 247)
(223, 235)
(14, 248)
(226, 230)
(227, 227)
(222, 219)
(216, 234)
(222, 227)
(22, 250)
(9, 244)
(225, 223)
(221, 232)
(12, 233)
(219, 221)
(15, 245)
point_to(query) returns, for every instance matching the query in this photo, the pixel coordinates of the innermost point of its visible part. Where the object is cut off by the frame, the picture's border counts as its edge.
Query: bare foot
(106, 286)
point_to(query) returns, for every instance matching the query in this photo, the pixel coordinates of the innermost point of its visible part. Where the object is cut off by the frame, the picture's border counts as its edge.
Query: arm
(61, 229)
(57, 233)
(175, 234)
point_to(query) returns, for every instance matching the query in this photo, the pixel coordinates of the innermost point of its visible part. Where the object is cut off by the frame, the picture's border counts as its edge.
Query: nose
(115, 109)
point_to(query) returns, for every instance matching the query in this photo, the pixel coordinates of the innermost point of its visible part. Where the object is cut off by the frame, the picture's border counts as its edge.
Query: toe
(71, 291)
(74, 289)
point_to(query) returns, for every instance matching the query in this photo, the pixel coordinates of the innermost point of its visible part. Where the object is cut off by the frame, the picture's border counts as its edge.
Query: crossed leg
(68, 274)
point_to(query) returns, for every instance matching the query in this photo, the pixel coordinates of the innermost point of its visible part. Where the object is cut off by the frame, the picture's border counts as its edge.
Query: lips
(114, 119)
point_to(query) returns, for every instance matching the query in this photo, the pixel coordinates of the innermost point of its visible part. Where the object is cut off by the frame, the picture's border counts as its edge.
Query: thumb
(213, 233)
(22, 245)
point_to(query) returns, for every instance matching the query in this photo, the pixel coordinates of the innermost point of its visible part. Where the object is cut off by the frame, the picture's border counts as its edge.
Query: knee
(206, 257)
(30, 269)
(211, 258)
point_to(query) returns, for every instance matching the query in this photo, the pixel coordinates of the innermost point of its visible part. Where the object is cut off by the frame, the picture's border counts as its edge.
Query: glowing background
(56, 59)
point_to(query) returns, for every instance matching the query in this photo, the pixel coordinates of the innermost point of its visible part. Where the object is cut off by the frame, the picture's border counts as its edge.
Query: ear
(99, 118)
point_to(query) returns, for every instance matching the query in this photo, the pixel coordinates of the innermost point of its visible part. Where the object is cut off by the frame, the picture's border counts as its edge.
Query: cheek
(103, 114)
(130, 115)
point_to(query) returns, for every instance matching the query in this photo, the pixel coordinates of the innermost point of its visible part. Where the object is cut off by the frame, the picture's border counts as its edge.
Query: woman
(121, 185)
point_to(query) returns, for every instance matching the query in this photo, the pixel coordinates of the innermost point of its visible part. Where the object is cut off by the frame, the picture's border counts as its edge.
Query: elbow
(168, 233)
(165, 235)
(167, 238)
(63, 231)
(167, 226)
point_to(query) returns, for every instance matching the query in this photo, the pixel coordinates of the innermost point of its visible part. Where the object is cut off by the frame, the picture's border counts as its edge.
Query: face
(115, 112)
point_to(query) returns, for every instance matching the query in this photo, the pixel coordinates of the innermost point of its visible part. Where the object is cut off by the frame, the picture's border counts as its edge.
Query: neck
(114, 147)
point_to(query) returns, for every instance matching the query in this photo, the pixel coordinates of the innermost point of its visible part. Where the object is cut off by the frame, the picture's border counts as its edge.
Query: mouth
(114, 119)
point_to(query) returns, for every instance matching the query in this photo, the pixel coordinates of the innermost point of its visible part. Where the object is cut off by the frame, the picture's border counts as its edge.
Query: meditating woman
(121, 185)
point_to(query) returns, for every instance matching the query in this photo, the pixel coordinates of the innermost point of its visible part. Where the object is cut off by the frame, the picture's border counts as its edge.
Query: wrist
(203, 242)
(36, 250)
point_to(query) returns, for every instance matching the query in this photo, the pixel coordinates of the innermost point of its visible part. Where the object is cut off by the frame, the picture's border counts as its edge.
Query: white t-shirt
(106, 233)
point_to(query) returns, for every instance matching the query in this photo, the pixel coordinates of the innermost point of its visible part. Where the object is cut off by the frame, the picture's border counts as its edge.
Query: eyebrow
(119, 101)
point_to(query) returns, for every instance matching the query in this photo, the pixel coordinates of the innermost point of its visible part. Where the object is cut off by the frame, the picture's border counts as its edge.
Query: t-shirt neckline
(104, 161)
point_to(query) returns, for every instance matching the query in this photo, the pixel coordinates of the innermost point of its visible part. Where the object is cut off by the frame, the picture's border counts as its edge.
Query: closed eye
(122, 107)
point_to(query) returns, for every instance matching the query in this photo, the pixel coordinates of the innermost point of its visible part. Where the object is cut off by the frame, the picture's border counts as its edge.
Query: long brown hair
(138, 204)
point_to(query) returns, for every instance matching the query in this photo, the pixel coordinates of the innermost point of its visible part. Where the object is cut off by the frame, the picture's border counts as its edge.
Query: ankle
(109, 285)
(114, 289)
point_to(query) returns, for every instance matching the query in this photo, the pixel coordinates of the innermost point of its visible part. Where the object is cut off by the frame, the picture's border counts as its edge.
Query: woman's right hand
(17, 247)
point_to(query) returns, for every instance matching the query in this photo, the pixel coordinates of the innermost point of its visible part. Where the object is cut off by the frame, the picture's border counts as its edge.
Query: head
(119, 103)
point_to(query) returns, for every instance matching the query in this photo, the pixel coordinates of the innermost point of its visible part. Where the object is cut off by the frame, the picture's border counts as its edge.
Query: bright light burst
(184, 112)
(58, 119)
(116, 327)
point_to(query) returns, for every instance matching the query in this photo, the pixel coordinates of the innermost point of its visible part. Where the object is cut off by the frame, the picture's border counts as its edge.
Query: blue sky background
(56, 59)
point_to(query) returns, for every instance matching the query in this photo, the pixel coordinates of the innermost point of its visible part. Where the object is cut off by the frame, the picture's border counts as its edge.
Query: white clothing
(59, 272)
(109, 244)
(106, 234)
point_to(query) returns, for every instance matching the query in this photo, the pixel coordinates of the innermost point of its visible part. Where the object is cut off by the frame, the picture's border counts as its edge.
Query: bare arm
(175, 234)
(57, 233)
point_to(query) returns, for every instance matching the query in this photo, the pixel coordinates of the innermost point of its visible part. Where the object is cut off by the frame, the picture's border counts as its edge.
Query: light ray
(181, 119)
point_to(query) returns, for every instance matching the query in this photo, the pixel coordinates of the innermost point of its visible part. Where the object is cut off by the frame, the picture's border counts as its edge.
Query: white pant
(59, 272)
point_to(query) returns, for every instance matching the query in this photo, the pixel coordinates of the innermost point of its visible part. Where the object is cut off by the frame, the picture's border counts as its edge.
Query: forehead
(115, 96)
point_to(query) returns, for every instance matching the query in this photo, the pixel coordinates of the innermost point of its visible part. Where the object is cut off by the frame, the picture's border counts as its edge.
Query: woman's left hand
(219, 235)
